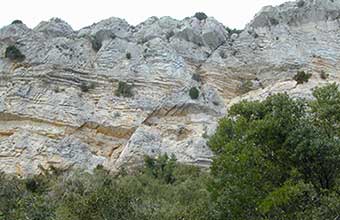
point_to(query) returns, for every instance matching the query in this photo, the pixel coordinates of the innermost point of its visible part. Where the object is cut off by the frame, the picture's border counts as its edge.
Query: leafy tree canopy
(279, 158)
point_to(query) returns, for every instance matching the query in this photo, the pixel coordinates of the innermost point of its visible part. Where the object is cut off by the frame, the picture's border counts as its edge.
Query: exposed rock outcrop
(59, 107)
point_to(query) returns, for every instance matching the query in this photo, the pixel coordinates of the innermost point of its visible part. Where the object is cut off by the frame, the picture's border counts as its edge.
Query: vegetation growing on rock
(233, 31)
(17, 22)
(302, 77)
(275, 159)
(128, 55)
(201, 16)
(14, 54)
(194, 93)
(85, 87)
(124, 89)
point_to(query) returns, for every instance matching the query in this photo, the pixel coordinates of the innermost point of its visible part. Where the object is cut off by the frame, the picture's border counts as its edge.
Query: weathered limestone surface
(59, 106)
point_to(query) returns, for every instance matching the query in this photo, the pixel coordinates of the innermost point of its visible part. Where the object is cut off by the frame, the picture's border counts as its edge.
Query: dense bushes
(14, 54)
(279, 159)
(161, 190)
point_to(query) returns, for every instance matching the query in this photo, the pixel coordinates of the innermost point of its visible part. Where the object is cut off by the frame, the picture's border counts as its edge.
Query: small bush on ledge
(302, 77)
(233, 31)
(14, 54)
(201, 16)
(124, 90)
(85, 87)
(194, 93)
(17, 22)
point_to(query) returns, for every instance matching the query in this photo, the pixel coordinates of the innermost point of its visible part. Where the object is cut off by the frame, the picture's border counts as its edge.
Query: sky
(81, 13)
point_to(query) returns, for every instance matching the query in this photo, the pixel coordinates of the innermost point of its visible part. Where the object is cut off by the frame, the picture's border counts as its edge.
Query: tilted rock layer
(60, 107)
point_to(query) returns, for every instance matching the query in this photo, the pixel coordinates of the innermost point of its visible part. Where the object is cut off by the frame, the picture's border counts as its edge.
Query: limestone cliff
(60, 107)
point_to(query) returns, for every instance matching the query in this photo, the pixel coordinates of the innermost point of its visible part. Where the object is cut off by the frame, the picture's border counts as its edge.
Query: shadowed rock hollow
(62, 105)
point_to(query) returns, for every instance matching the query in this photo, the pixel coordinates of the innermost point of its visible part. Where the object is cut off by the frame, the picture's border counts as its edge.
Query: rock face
(61, 106)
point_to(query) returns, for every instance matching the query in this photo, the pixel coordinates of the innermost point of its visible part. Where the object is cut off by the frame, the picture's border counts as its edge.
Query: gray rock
(55, 27)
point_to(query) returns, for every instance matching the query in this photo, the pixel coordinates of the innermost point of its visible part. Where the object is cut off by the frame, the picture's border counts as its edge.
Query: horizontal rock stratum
(111, 92)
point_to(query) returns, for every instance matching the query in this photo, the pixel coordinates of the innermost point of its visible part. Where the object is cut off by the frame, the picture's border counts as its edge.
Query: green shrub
(11, 189)
(124, 89)
(17, 22)
(85, 87)
(278, 158)
(14, 54)
(194, 93)
(128, 55)
(201, 16)
(31, 185)
(233, 31)
(161, 168)
(302, 77)
(161, 189)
